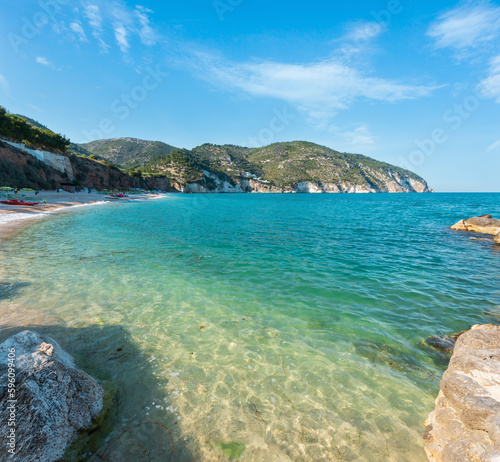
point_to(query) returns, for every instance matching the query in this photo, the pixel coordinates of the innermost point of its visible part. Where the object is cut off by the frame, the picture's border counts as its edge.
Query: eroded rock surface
(483, 224)
(53, 400)
(465, 425)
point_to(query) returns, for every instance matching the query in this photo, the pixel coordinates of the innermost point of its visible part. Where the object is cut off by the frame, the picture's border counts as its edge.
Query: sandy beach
(13, 218)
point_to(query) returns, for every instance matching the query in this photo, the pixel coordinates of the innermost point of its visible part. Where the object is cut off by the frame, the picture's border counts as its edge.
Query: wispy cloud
(320, 89)
(363, 31)
(467, 27)
(147, 34)
(77, 28)
(93, 14)
(494, 147)
(360, 139)
(490, 86)
(43, 61)
(121, 37)
(124, 22)
(358, 41)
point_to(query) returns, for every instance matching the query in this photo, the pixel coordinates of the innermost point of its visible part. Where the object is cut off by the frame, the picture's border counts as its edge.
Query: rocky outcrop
(497, 238)
(443, 343)
(484, 224)
(465, 425)
(57, 161)
(20, 169)
(46, 397)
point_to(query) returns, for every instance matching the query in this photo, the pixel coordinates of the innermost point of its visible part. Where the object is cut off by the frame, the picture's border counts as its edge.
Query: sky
(415, 83)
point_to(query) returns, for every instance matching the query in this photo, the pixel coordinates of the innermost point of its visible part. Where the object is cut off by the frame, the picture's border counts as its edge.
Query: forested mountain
(126, 152)
(281, 167)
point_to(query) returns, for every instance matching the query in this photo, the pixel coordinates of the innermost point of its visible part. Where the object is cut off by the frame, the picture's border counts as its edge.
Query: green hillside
(33, 122)
(289, 163)
(179, 165)
(125, 152)
(280, 165)
(34, 135)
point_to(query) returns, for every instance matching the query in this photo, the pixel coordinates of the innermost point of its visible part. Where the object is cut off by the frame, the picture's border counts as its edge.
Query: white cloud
(125, 23)
(360, 139)
(93, 14)
(146, 32)
(43, 61)
(358, 41)
(320, 89)
(494, 147)
(490, 86)
(121, 37)
(363, 31)
(467, 27)
(94, 17)
(77, 28)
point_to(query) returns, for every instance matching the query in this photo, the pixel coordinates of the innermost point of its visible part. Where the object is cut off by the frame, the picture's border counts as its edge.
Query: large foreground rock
(465, 425)
(483, 224)
(55, 400)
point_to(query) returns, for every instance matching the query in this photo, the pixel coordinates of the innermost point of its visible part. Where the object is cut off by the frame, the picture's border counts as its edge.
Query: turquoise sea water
(257, 327)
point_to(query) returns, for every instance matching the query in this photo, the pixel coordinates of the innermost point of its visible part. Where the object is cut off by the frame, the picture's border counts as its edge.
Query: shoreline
(15, 218)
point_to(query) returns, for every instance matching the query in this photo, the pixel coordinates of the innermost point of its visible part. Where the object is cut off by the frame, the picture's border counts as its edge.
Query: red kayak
(16, 202)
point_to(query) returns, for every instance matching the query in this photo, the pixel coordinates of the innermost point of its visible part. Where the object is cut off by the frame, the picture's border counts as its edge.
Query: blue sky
(408, 82)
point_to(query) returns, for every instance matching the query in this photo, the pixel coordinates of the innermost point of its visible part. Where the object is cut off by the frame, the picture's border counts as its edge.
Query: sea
(256, 327)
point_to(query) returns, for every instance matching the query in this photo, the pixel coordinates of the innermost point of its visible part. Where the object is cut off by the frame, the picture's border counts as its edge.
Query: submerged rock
(484, 224)
(443, 343)
(465, 424)
(497, 238)
(48, 398)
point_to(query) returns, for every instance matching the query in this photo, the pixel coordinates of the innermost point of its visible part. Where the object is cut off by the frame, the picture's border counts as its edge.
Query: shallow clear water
(290, 324)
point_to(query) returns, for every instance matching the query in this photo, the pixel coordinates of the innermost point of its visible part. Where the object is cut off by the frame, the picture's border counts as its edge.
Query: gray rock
(483, 224)
(491, 456)
(54, 399)
(477, 409)
(465, 425)
(492, 425)
(464, 451)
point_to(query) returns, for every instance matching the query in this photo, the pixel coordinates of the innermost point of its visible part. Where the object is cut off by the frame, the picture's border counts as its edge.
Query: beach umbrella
(4, 189)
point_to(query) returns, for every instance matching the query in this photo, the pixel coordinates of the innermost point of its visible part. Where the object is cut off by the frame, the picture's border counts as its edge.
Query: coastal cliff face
(21, 169)
(465, 425)
(221, 184)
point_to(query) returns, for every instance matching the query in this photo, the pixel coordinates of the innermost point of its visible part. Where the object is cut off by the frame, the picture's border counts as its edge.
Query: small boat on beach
(18, 199)
(18, 202)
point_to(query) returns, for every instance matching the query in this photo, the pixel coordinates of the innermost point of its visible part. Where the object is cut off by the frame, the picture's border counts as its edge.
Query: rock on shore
(484, 224)
(55, 400)
(465, 425)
